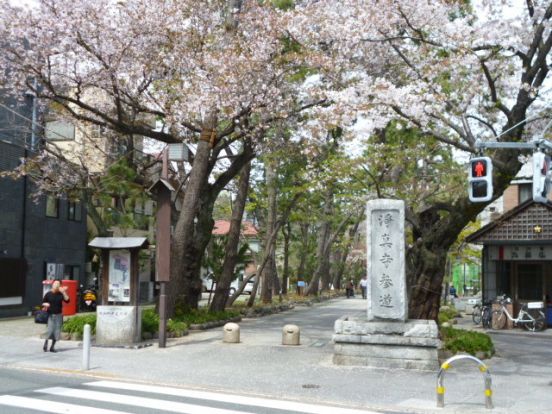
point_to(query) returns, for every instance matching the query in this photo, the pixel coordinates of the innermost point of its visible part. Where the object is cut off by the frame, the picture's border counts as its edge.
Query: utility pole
(162, 190)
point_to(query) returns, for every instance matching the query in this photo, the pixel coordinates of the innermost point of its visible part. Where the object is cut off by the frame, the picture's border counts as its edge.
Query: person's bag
(41, 316)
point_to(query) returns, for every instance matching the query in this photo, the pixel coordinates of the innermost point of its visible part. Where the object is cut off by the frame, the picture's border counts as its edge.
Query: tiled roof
(529, 222)
(222, 227)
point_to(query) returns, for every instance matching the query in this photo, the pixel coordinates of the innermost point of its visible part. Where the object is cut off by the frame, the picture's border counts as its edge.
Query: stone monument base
(386, 344)
(118, 325)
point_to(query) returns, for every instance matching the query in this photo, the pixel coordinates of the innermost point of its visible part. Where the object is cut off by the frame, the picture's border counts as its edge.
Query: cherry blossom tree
(217, 74)
(455, 71)
(213, 75)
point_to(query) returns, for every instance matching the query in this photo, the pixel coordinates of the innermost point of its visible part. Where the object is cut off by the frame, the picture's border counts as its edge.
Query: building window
(525, 192)
(52, 206)
(74, 211)
(71, 272)
(58, 130)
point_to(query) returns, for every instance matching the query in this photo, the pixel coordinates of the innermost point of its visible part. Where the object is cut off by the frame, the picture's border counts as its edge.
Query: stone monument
(119, 316)
(385, 337)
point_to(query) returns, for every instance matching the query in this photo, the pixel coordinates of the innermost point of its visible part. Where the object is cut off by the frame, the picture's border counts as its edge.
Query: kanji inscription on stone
(386, 289)
(385, 281)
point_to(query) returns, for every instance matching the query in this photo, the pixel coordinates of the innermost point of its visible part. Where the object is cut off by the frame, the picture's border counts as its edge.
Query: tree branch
(431, 134)
(492, 88)
(487, 124)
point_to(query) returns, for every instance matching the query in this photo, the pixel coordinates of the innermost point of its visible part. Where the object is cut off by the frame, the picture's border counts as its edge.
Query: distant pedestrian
(363, 286)
(52, 303)
(452, 291)
(350, 289)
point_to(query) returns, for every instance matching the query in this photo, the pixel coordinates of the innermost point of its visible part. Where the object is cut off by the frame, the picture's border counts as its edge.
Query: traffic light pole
(480, 177)
(542, 176)
(536, 144)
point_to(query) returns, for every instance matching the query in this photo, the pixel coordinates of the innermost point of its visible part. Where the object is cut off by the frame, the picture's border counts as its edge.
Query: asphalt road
(260, 367)
(25, 392)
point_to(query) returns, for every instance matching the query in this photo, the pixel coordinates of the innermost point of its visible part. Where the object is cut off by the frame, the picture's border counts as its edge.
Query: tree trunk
(271, 241)
(232, 243)
(304, 252)
(268, 275)
(344, 254)
(323, 261)
(275, 280)
(185, 287)
(433, 234)
(339, 261)
(427, 265)
(251, 300)
(286, 231)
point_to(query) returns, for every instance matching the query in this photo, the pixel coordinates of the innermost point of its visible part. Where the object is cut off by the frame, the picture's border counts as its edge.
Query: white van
(208, 285)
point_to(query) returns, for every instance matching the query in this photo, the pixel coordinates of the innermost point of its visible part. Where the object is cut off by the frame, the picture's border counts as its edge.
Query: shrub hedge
(460, 340)
(76, 324)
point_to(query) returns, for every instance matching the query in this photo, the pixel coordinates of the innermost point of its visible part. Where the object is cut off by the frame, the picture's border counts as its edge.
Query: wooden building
(517, 254)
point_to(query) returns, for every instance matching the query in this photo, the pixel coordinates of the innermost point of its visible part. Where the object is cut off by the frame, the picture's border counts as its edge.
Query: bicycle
(535, 322)
(482, 313)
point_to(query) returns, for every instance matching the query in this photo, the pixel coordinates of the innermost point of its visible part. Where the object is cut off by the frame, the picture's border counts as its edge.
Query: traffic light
(541, 176)
(481, 180)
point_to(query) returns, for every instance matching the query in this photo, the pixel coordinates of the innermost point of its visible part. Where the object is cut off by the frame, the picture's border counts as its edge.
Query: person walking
(350, 288)
(53, 302)
(452, 291)
(363, 286)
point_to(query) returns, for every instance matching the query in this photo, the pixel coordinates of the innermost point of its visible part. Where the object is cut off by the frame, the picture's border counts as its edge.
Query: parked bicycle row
(531, 315)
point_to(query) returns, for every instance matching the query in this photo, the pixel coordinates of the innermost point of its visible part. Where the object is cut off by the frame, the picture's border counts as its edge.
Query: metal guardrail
(482, 368)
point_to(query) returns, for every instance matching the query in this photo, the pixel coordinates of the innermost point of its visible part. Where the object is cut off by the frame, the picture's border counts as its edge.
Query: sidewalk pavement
(259, 365)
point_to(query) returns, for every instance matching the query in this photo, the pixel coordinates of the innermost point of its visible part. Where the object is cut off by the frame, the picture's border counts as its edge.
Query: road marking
(227, 398)
(46, 406)
(175, 407)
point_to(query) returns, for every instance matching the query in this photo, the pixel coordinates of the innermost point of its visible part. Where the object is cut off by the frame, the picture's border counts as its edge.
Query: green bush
(76, 324)
(150, 321)
(177, 327)
(202, 315)
(459, 340)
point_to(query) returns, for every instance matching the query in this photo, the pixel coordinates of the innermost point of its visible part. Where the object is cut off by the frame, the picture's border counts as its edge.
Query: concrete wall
(511, 197)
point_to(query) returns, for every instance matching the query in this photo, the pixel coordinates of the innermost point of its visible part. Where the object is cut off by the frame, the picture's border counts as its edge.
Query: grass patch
(446, 314)
(177, 327)
(459, 340)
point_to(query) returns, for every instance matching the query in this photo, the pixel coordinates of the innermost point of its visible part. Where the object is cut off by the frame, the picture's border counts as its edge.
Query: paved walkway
(260, 365)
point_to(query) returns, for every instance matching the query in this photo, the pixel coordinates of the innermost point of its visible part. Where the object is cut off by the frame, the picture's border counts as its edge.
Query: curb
(543, 334)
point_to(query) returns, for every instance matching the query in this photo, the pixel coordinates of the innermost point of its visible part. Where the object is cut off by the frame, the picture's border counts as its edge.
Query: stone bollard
(231, 333)
(290, 335)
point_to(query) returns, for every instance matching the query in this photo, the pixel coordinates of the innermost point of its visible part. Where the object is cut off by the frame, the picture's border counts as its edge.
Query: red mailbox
(71, 285)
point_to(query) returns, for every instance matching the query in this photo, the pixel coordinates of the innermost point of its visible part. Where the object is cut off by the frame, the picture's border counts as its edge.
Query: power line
(46, 129)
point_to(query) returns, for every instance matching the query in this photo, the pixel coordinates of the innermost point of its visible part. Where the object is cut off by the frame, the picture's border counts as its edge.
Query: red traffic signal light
(479, 167)
(480, 180)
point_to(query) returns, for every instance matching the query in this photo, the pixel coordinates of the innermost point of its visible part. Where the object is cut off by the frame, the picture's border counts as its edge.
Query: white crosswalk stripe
(233, 399)
(198, 405)
(51, 406)
(174, 407)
